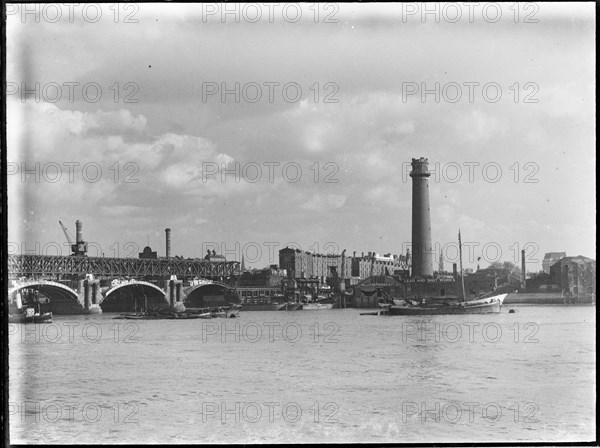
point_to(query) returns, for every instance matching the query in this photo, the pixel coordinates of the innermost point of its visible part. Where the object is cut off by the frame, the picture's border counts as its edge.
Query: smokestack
(454, 271)
(78, 231)
(422, 259)
(168, 241)
(523, 280)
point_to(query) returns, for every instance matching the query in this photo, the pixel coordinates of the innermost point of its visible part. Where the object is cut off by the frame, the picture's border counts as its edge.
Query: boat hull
(23, 319)
(164, 316)
(232, 310)
(291, 306)
(317, 306)
(481, 306)
(261, 306)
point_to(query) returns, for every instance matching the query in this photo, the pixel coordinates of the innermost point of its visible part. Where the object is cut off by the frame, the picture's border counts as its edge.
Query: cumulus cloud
(324, 202)
(78, 166)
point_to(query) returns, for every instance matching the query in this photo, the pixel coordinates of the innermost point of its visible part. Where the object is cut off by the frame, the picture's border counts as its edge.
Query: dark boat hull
(261, 306)
(233, 310)
(171, 316)
(483, 306)
(22, 319)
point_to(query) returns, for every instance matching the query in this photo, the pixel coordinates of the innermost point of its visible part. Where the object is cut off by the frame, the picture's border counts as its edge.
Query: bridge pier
(89, 294)
(174, 293)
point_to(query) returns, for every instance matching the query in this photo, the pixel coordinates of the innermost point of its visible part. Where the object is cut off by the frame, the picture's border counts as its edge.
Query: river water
(306, 376)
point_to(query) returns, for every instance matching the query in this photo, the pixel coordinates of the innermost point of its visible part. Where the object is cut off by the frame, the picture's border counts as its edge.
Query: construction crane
(79, 248)
(64, 229)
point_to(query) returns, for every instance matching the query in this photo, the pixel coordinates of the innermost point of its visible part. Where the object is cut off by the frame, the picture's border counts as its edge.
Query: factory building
(368, 292)
(373, 264)
(575, 275)
(271, 276)
(301, 264)
(550, 258)
(148, 254)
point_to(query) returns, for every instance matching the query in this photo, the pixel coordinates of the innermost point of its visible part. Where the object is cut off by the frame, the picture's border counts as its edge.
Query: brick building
(575, 275)
(373, 264)
(550, 258)
(301, 264)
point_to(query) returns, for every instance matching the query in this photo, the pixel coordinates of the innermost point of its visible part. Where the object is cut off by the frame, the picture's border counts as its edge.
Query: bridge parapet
(39, 265)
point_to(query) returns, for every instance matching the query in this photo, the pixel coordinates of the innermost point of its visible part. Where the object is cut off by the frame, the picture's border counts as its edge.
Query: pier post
(178, 292)
(91, 290)
(171, 293)
(95, 293)
(86, 295)
(178, 305)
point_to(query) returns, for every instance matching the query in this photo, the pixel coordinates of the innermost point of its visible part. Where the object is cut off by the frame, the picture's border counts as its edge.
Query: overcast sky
(351, 117)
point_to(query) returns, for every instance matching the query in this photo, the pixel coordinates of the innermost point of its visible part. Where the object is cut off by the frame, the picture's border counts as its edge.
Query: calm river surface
(306, 376)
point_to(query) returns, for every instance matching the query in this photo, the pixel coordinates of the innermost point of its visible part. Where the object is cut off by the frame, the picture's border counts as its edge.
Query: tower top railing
(420, 167)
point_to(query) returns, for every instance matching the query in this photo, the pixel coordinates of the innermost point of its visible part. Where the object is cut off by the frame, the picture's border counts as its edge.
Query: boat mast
(462, 277)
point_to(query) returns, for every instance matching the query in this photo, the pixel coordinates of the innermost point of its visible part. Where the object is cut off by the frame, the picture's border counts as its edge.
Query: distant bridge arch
(209, 294)
(131, 296)
(63, 300)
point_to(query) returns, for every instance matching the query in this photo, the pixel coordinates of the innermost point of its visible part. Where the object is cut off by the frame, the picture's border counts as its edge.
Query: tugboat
(28, 314)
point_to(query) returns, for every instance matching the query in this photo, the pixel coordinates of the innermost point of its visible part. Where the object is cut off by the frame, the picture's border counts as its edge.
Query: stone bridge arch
(62, 299)
(132, 295)
(211, 294)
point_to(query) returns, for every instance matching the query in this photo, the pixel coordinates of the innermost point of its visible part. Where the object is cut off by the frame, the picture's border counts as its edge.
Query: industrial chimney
(168, 242)
(422, 254)
(79, 231)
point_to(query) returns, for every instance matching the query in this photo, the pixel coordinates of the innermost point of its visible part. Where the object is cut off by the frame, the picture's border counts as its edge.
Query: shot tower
(422, 254)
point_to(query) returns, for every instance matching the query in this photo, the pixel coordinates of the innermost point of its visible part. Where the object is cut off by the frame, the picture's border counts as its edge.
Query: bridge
(55, 265)
(134, 295)
(209, 294)
(84, 294)
(64, 300)
(125, 296)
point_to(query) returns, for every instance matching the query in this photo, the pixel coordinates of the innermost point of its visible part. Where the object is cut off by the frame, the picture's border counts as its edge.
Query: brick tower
(422, 254)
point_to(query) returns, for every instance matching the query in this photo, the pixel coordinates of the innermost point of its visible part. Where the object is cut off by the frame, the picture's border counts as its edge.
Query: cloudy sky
(329, 102)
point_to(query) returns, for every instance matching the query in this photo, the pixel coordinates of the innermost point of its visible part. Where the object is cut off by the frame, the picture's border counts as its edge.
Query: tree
(512, 271)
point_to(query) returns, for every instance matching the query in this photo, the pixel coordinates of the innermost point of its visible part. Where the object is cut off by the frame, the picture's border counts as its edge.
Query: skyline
(175, 62)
